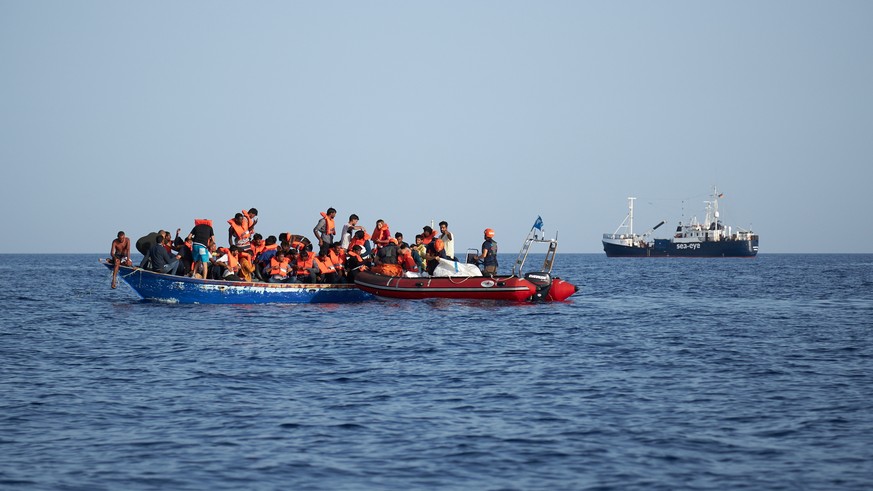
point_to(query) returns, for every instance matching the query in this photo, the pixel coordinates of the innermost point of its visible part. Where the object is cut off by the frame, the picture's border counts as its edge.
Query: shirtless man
(119, 253)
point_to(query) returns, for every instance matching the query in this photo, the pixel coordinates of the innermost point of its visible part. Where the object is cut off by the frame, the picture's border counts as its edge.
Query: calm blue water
(661, 374)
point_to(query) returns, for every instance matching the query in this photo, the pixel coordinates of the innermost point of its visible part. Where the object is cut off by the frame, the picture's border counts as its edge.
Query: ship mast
(630, 216)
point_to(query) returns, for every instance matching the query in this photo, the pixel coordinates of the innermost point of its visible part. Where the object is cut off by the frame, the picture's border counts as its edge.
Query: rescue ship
(693, 239)
(465, 281)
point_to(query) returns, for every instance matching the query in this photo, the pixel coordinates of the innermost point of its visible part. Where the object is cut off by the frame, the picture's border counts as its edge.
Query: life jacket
(360, 242)
(279, 268)
(257, 248)
(325, 265)
(303, 265)
(329, 227)
(382, 235)
(406, 262)
(426, 239)
(241, 231)
(202, 221)
(437, 245)
(250, 219)
(338, 260)
(232, 262)
(266, 248)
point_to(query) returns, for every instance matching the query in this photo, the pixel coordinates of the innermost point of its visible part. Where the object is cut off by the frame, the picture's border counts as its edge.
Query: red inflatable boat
(531, 287)
(516, 287)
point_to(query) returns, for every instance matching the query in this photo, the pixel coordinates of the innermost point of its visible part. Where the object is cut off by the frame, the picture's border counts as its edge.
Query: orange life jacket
(338, 260)
(329, 228)
(325, 265)
(241, 231)
(258, 248)
(426, 239)
(232, 262)
(406, 262)
(303, 265)
(382, 235)
(360, 242)
(250, 219)
(279, 268)
(202, 221)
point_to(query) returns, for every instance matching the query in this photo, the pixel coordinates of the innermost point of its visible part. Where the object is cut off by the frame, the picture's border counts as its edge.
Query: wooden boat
(159, 287)
(516, 287)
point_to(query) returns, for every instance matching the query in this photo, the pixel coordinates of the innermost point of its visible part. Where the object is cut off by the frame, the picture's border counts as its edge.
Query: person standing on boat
(325, 229)
(381, 235)
(448, 239)
(349, 230)
(239, 233)
(489, 253)
(201, 236)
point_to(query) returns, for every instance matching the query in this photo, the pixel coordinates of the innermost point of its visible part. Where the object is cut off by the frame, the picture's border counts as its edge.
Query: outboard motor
(543, 282)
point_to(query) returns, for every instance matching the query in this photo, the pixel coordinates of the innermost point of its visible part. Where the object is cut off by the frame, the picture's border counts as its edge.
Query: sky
(139, 116)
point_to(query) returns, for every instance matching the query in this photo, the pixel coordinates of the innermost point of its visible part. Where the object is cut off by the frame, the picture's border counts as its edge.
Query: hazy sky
(136, 116)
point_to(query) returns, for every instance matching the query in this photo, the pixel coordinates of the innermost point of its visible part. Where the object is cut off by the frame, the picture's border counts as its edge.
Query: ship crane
(651, 230)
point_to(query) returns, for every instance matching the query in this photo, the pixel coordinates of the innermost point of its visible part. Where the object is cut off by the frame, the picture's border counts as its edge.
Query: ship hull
(668, 248)
(157, 287)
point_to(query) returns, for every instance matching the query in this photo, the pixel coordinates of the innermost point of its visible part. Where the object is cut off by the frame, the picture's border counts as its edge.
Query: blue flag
(538, 224)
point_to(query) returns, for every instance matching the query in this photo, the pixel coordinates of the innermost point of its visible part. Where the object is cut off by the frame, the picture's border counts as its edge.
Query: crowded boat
(332, 254)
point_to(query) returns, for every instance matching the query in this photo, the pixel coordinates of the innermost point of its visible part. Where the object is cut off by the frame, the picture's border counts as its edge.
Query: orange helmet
(489, 232)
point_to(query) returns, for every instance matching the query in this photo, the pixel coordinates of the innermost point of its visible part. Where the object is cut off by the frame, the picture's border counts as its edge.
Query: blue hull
(667, 248)
(182, 289)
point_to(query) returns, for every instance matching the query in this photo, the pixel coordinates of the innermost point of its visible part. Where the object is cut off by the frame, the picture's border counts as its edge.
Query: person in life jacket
(427, 235)
(327, 272)
(325, 229)
(386, 260)
(356, 263)
(239, 233)
(381, 235)
(361, 238)
(280, 268)
(252, 217)
(448, 239)
(489, 253)
(262, 260)
(435, 252)
(228, 263)
(404, 258)
(257, 244)
(287, 240)
(338, 258)
(305, 268)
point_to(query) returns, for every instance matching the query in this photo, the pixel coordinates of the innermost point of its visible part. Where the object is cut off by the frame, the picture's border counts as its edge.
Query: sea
(659, 374)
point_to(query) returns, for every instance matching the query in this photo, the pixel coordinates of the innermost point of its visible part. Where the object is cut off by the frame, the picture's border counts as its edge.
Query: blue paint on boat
(160, 287)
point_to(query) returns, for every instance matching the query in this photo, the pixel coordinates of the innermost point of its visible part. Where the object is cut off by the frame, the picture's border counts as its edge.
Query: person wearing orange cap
(489, 253)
